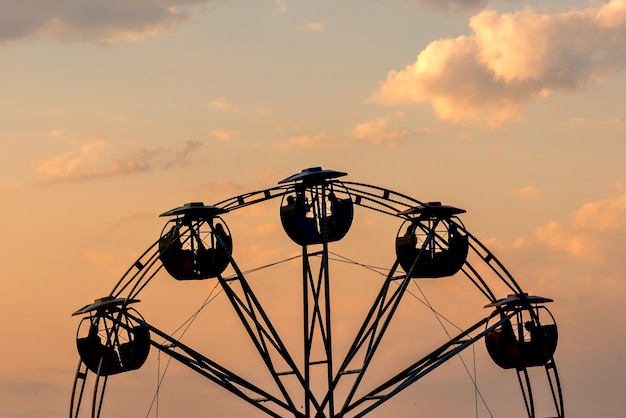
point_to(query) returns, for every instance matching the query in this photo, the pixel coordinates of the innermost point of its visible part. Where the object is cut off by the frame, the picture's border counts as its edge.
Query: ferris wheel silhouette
(318, 380)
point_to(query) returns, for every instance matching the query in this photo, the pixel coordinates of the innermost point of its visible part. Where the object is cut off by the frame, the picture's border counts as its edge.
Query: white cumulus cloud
(509, 60)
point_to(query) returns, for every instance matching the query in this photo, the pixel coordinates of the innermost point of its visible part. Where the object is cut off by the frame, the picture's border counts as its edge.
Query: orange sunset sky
(114, 111)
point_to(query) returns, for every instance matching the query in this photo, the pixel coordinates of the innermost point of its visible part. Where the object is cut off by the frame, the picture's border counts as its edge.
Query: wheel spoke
(317, 210)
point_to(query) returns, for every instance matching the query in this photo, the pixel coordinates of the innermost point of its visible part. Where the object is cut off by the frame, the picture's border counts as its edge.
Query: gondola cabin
(109, 342)
(526, 335)
(429, 244)
(317, 210)
(196, 244)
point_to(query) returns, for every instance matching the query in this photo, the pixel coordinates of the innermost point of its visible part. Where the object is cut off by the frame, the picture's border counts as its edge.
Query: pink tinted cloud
(316, 27)
(578, 244)
(280, 6)
(379, 132)
(510, 60)
(527, 192)
(220, 104)
(603, 215)
(224, 135)
(91, 162)
(596, 231)
(57, 132)
(69, 164)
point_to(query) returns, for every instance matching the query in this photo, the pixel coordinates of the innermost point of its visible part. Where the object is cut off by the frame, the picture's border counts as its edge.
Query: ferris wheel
(320, 378)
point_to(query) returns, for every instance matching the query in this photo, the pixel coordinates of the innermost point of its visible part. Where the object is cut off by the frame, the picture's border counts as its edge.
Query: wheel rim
(330, 398)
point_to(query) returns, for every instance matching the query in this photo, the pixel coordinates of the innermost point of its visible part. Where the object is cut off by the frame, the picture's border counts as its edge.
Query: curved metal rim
(371, 197)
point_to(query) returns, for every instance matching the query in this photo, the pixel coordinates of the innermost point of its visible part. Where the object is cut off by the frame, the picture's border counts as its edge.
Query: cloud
(603, 215)
(304, 142)
(576, 243)
(224, 135)
(378, 132)
(69, 164)
(316, 27)
(287, 127)
(55, 133)
(99, 259)
(93, 147)
(527, 192)
(280, 6)
(220, 105)
(90, 162)
(596, 232)
(454, 5)
(607, 125)
(510, 60)
(98, 21)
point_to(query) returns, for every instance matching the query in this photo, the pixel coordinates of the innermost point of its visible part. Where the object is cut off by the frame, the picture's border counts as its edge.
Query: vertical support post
(317, 318)
(317, 343)
(328, 343)
(306, 331)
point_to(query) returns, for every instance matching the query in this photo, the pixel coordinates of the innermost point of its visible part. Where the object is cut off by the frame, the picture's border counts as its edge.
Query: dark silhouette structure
(316, 211)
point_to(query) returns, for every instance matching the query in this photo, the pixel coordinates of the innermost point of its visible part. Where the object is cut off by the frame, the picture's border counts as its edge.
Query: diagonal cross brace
(425, 365)
(215, 372)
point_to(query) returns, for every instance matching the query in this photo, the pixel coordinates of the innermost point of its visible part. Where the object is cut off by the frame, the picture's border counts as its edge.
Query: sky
(116, 111)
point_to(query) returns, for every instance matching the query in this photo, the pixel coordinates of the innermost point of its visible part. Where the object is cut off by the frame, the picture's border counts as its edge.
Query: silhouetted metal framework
(316, 209)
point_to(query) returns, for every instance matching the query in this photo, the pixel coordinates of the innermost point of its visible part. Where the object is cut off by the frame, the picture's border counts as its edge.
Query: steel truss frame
(317, 330)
